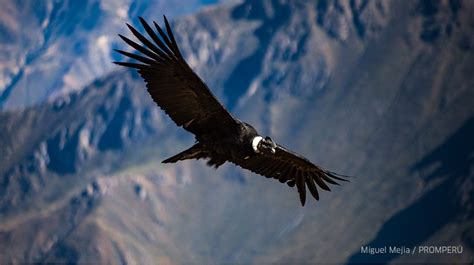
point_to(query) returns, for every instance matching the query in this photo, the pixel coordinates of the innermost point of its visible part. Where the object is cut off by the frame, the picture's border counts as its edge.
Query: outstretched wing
(292, 169)
(171, 82)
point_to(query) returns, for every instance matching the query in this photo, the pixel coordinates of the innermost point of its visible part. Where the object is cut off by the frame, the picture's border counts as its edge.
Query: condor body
(220, 137)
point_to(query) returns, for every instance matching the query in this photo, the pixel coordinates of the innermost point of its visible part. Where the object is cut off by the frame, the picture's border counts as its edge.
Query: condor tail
(195, 152)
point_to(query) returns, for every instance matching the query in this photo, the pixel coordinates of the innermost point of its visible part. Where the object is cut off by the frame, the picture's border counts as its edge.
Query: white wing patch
(255, 143)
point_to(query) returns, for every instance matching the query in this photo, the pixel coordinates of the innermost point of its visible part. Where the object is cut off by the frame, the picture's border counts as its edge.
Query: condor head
(264, 145)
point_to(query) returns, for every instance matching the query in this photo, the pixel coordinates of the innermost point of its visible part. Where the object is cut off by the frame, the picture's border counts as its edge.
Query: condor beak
(273, 150)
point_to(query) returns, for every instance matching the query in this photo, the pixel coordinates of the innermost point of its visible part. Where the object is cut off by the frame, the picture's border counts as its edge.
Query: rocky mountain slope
(61, 46)
(377, 89)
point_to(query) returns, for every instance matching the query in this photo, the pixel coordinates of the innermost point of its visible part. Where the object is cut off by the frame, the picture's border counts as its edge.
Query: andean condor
(220, 137)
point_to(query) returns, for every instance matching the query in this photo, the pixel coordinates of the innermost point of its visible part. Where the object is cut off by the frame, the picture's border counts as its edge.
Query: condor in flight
(219, 136)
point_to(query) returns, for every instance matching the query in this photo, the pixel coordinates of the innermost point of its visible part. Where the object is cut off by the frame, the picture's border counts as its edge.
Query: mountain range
(62, 46)
(381, 90)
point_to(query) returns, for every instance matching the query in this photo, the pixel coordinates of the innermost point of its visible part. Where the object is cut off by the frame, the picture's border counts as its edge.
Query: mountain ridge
(369, 102)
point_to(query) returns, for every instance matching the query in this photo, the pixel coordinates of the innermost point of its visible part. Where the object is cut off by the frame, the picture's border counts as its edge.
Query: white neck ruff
(255, 143)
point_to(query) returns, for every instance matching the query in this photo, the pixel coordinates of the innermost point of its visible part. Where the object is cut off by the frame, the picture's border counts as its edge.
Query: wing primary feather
(163, 36)
(148, 43)
(140, 48)
(132, 65)
(328, 179)
(192, 100)
(174, 45)
(337, 176)
(301, 187)
(312, 187)
(155, 38)
(136, 57)
(317, 178)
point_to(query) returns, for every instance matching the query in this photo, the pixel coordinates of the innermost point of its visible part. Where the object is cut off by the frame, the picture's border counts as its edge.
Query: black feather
(328, 179)
(174, 45)
(301, 187)
(148, 43)
(312, 187)
(132, 65)
(291, 183)
(164, 37)
(155, 38)
(137, 57)
(141, 49)
(278, 170)
(337, 176)
(284, 174)
(317, 178)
